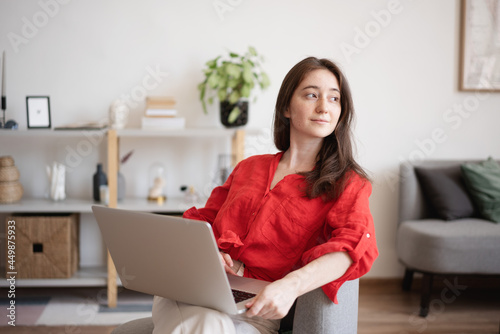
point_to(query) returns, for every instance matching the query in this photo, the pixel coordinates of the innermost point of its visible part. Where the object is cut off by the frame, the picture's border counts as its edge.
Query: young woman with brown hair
(299, 218)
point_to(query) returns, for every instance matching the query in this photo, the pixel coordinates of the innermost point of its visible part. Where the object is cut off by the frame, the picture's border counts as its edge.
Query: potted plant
(232, 80)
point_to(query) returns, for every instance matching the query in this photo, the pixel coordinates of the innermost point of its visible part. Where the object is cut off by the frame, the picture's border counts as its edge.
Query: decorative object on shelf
(11, 189)
(233, 79)
(118, 114)
(57, 179)
(223, 168)
(157, 183)
(160, 114)
(10, 124)
(121, 179)
(100, 179)
(38, 112)
(191, 196)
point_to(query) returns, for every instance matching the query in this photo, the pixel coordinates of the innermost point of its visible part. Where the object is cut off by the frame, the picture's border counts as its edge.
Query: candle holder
(10, 124)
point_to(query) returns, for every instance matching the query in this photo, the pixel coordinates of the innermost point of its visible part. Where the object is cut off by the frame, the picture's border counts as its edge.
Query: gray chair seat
(464, 246)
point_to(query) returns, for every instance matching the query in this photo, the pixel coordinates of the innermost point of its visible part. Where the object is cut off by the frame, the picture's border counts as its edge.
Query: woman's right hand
(230, 266)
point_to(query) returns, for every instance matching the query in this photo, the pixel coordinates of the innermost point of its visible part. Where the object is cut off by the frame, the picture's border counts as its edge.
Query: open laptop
(172, 257)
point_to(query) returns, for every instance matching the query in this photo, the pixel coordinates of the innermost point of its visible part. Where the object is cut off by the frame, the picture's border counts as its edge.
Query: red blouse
(276, 231)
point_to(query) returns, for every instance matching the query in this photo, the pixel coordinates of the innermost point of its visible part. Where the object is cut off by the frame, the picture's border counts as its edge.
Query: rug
(73, 307)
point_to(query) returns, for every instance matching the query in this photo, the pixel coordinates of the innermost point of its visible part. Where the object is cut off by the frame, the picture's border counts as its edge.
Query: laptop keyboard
(242, 295)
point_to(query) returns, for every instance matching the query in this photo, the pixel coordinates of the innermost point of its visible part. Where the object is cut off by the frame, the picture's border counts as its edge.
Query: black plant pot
(225, 111)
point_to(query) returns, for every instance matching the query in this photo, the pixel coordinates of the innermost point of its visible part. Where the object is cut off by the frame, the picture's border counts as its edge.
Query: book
(161, 102)
(152, 112)
(163, 123)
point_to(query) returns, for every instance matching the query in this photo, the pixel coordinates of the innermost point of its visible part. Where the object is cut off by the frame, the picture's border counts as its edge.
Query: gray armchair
(312, 313)
(433, 246)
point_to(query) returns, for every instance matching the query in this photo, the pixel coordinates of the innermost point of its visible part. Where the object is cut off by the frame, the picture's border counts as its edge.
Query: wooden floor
(456, 308)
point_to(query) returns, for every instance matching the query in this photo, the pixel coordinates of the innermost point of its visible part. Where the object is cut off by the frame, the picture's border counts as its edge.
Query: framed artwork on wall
(38, 112)
(480, 45)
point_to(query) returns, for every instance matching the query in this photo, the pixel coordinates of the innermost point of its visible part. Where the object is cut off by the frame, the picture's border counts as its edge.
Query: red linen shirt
(276, 231)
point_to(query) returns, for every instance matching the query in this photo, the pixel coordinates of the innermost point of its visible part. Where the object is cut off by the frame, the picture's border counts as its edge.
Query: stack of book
(160, 114)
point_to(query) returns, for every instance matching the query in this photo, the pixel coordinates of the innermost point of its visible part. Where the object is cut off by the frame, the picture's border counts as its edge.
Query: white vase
(118, 114)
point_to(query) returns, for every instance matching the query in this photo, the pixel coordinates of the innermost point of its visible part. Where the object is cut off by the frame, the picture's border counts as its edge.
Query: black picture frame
(38, 112)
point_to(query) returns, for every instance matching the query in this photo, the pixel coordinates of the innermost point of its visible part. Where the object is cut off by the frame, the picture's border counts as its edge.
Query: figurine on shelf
(57, 176)
(156, 191)
(157, 182)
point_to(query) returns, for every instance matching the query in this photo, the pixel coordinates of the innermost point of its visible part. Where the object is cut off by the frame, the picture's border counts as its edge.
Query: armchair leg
(408, 279)
(425, 298)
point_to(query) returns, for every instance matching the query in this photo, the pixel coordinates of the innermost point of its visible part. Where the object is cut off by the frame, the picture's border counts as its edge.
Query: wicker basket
(10, 173)
(46, 246)
(6, 161)
(10, 192)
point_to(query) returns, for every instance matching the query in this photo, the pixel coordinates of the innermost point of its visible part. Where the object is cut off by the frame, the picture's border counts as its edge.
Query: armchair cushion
(483, 182)
(444, 189)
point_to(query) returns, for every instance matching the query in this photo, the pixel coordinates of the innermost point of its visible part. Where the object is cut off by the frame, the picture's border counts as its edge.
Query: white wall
(404, 80)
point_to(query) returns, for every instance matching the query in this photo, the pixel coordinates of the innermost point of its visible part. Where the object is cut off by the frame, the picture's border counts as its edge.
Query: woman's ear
(287, 113)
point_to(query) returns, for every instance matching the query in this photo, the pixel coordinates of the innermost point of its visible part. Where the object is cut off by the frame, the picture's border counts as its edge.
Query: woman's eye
(335, 99)
(312, 95)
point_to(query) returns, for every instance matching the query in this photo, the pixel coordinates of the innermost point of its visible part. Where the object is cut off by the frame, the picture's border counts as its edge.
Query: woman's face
(315, 106)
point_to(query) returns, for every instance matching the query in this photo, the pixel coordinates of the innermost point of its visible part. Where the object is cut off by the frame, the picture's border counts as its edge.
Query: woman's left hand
(274, 301)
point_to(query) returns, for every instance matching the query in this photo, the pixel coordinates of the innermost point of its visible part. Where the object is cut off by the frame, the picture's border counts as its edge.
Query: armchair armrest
(315, 312)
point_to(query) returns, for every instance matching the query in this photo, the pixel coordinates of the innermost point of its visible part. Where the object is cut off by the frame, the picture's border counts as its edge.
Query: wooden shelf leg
(113, 200)
(238, 146)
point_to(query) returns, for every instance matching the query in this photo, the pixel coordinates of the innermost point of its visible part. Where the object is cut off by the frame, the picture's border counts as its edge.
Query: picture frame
(38, 112)
(479, 49)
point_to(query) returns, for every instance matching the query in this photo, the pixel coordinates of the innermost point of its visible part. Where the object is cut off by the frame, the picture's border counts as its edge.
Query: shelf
(189, 132)
(84, 277)
(49, 133)
(30, 205)
(172, 205)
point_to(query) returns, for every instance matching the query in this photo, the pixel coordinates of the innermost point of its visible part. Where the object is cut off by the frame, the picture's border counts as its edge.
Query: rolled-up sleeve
(349, 228)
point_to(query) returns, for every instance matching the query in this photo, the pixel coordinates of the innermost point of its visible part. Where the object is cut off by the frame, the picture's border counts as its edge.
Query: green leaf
(212, 63)
(213, 80)
(265, 82)
(245, 90)
(233, 115)
(234, 97)
(233, 55)
(252, 51)
(222, 94)
(233, 70)
(211, 100)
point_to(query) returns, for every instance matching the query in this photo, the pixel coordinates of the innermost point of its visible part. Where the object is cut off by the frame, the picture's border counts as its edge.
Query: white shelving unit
(106, 276)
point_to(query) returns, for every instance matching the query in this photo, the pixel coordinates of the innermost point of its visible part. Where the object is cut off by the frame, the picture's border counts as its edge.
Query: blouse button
(368, 235)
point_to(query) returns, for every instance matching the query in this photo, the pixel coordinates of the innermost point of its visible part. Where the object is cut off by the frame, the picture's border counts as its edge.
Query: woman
(299, 218)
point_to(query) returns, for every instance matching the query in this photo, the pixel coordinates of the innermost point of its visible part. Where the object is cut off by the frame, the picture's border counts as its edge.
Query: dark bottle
(99, 180)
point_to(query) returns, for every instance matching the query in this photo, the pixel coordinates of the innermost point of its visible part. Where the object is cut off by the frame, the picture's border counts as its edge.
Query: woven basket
(46, 246)
(10, 192)
(6, 161)
(8, 174)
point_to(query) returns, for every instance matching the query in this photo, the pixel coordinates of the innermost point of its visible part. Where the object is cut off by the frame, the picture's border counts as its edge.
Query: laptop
(172, 257)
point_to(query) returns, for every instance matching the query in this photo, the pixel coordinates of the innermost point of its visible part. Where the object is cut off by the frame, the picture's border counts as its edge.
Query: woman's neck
(300, 158)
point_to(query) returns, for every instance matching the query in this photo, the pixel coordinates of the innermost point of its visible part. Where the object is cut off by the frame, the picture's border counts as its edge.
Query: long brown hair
(335, 157)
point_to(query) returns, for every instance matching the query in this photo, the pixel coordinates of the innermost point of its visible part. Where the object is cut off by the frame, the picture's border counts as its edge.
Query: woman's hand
(274, 301)
(230, 266)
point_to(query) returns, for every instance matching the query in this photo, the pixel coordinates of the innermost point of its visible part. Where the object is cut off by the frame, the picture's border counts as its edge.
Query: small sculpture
(57, 178)
(118, 114)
